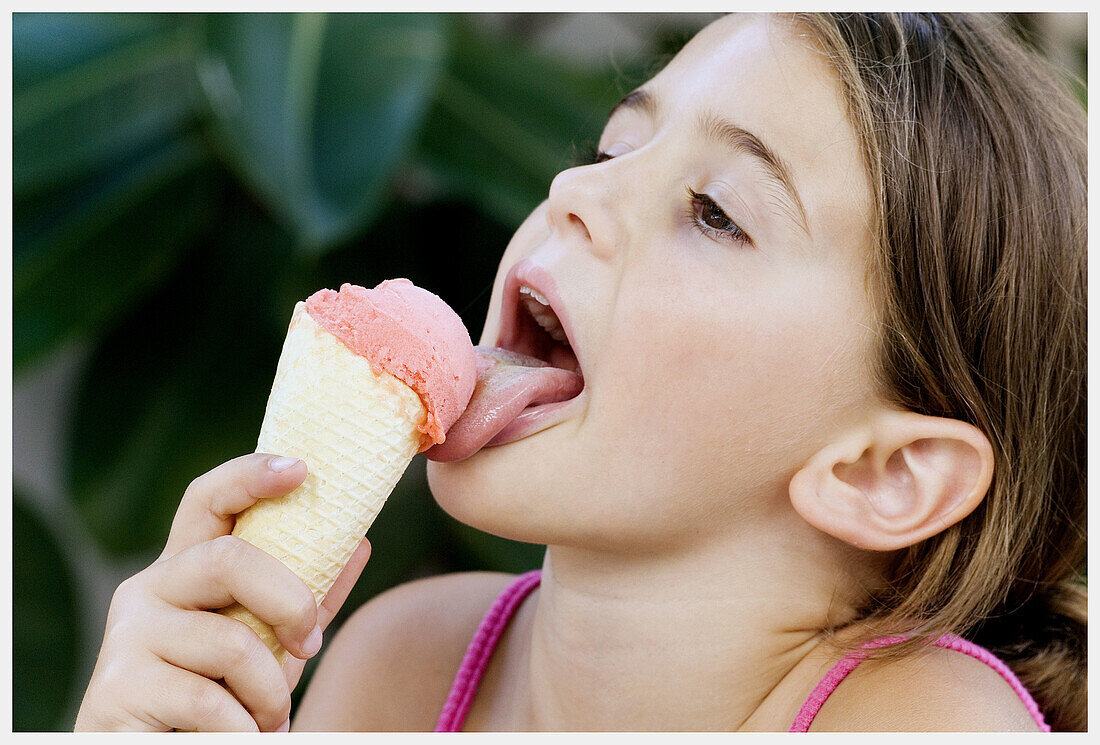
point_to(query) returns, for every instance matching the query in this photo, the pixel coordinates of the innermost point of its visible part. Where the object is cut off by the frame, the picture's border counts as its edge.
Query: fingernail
(284, 727)
(281, 463)
(313, 642)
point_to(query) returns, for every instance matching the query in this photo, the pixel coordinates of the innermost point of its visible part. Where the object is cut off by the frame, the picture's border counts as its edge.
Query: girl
(825, 283)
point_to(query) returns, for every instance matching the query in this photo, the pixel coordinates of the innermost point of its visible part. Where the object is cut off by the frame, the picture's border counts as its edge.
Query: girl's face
(711, 270)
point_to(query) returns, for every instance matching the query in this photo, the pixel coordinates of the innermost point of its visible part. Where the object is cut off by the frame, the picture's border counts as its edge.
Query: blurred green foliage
(181, 180)
(44, 623)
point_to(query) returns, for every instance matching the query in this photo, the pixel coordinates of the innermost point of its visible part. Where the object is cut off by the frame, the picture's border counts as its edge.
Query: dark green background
(180, 180)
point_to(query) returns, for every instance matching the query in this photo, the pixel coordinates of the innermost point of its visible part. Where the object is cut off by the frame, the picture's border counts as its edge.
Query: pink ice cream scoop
(413, 335)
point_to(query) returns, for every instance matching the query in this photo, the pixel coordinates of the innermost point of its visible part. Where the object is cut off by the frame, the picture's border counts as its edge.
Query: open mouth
(526, 383)
(539, 332)
(531, 326)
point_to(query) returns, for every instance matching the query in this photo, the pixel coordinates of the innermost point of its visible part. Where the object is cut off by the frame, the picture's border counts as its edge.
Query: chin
(533, 490)
(485, 493)
(497, 491)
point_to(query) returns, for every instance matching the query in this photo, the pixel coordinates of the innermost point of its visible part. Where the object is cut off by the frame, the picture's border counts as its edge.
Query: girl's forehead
(765, 75)
(752, 65)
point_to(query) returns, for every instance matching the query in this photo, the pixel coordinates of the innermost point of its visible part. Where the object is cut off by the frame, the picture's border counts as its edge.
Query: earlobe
(894, 481)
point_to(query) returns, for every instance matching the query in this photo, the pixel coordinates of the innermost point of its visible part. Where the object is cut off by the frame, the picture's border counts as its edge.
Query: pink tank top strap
(492, 626)
(481, 647)
(841, 669)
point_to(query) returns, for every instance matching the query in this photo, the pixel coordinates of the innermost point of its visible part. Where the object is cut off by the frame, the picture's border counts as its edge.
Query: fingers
(217, 647)
(216, 573)
(185, 701)
(209, 504)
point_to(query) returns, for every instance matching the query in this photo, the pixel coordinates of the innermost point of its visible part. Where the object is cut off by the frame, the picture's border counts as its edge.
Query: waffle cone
(356, 429)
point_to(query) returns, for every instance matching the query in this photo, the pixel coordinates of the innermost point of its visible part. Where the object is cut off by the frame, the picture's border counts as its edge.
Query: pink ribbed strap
(481, 649)
(841, 669)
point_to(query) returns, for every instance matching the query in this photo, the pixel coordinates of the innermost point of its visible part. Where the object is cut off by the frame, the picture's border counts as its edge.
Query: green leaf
(488, 552)
(181, 384)
(73, 115)
(456, 262)
(45, 625)
(314, 111)
(45, 44)
(83, 255)
(506, 120)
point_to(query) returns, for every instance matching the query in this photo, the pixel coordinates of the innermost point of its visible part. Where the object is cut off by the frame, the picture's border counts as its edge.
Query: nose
(580, 208)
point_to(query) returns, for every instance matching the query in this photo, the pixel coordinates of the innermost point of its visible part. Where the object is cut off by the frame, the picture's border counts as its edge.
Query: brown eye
(713, 216)
(711, 220)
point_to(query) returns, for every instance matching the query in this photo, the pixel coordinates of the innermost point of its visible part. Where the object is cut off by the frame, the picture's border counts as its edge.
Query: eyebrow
(738, 139)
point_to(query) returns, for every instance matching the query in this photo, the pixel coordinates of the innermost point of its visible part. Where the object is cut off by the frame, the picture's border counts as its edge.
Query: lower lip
(535, 419)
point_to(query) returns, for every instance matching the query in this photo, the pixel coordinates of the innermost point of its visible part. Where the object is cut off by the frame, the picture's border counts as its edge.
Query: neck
(695, 640)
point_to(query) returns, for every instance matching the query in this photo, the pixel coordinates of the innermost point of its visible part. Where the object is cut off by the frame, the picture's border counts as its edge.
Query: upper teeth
(539, 307)
(525, 290)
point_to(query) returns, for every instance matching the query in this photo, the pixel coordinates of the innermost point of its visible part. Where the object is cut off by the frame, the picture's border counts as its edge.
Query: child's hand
(164, 648)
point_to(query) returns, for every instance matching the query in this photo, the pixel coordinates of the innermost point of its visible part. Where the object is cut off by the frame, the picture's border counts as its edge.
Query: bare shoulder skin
(940, 690)
(391, 665)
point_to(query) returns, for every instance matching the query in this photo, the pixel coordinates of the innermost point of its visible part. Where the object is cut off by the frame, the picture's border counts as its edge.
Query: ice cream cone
(356, 428)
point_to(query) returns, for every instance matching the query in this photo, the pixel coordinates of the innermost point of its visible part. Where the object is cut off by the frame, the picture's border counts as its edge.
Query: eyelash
(590, 155)
(698, 203)
(731, 231)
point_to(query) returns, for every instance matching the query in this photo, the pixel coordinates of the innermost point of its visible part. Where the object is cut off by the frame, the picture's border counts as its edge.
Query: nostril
(579, 223)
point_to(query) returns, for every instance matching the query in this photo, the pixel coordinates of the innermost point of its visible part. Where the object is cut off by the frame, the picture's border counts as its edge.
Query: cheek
(759, 374)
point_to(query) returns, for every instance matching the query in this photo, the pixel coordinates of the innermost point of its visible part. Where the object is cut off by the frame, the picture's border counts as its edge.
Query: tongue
(507, 383)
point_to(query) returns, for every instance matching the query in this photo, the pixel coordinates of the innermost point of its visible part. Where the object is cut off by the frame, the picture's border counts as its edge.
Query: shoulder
(936, 690)
(391, 664)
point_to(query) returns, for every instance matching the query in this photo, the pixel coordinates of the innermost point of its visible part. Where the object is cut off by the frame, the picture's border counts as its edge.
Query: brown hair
(976, 152)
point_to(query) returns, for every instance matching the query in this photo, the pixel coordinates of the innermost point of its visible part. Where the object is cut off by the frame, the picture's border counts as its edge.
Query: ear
(894, 481)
